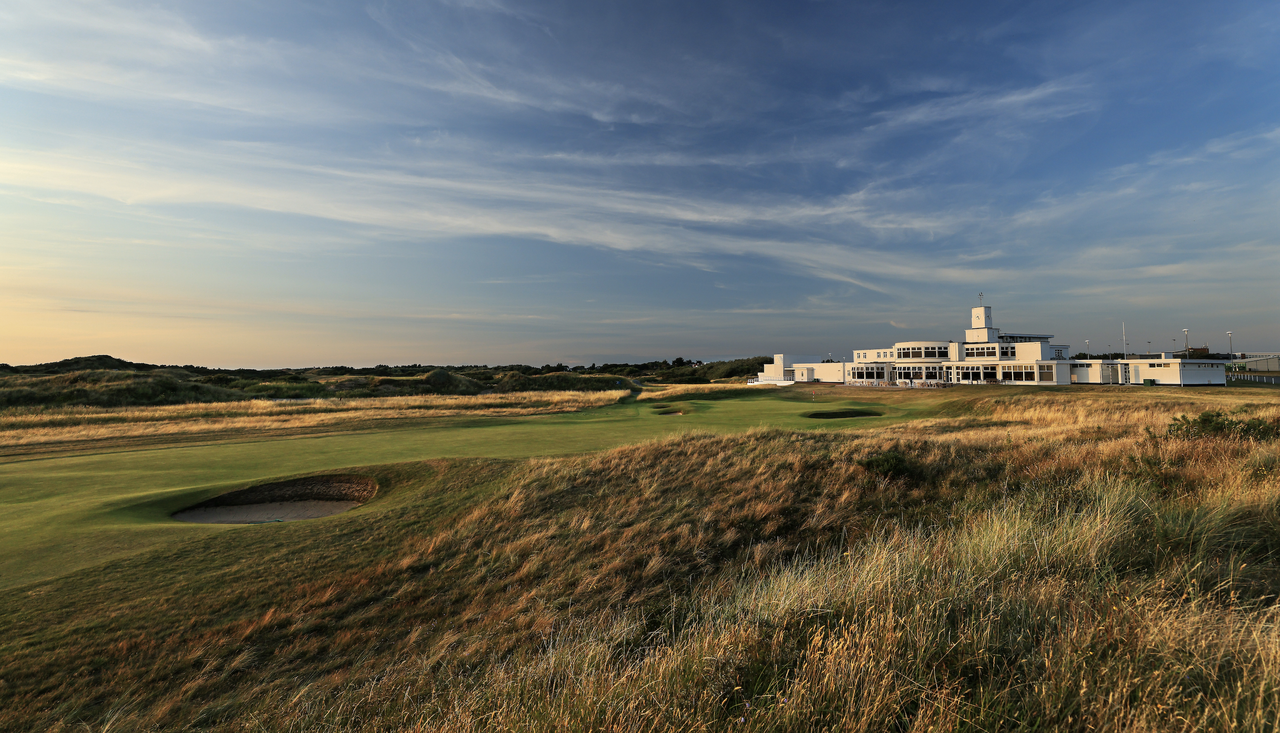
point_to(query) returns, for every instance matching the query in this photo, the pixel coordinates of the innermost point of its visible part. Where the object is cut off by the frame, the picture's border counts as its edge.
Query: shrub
(1213, 424)
(683, 380)
(287, 390)
(893, 464)
(560, 382)
(736, 368)
(440, 381)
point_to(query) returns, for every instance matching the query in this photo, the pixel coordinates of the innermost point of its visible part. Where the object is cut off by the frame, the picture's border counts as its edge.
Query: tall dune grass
(996, 570)
(1067, 605)
(686, 391)
(36, 426)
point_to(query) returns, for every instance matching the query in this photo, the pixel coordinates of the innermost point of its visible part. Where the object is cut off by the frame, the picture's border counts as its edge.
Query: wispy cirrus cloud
(816, 162)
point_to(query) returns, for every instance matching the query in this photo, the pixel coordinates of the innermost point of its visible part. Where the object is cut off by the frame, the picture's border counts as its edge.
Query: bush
(1212, 424)
(440, 381)
(683, 380)
(287, 390)
(893, 464)
(107, 389)
(736, 368)
(559, 382)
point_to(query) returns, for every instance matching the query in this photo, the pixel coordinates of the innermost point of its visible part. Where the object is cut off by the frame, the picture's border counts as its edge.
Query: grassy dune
(974, 560)
(95, 427)
(105, 381)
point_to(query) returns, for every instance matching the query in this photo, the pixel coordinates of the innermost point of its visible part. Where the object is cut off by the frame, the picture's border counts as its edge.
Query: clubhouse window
(1018, 373)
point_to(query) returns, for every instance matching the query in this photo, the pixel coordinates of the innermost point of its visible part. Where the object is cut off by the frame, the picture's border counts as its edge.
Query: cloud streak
(933, 159)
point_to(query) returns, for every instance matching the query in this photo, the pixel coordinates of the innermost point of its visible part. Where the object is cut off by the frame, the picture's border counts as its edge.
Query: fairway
(65, 513)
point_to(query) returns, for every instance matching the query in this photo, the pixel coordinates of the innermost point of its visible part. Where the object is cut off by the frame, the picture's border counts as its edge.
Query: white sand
(280, 511)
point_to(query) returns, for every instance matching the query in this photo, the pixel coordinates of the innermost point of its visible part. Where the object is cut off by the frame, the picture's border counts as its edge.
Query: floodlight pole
(1231, 347)
(1186, 345)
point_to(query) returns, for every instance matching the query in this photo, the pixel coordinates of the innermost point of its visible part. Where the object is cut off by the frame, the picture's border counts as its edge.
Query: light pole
(1086, 349)
(1231, 347)
(1186, 345)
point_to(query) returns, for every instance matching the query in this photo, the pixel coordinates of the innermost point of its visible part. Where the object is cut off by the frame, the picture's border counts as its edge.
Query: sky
(268, 184)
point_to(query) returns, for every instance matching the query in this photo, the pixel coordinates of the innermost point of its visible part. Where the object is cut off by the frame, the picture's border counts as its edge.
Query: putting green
(66, 513)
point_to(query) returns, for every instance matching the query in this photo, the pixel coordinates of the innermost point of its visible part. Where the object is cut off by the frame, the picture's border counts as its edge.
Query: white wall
(820, 372)
(1194, 373)
(1061, 373)
(1033, 351)
(1178, 372)
(774, 371)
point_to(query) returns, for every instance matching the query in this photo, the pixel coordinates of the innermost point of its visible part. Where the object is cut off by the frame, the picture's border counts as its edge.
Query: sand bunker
(276, 511)
(283, 501)
(841, 414)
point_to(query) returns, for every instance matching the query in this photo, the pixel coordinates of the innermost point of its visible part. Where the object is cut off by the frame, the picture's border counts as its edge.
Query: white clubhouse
(989, 356)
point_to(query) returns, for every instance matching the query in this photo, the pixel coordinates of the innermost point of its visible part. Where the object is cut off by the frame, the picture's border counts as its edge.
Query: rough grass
(560, 381)
(107, 388)
(698, 391)
(108, 382)
(33, 426)
(1039, 574)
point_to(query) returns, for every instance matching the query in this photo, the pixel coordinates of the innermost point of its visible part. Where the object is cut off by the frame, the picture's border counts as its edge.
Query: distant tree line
(678, 368)
(107, 381)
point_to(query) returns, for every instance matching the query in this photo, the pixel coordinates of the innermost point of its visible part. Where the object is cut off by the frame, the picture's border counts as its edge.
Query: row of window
(1165, 365)
(1027, 372)
(925, 352)
(927, 371)
(943, 352)
(1013, 373)
(1008, 372)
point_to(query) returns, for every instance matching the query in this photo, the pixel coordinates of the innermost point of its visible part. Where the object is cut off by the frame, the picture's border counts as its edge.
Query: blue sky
(482, 181)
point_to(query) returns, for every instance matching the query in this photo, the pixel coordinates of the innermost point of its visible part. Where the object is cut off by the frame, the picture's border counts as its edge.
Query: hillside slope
(768, 581)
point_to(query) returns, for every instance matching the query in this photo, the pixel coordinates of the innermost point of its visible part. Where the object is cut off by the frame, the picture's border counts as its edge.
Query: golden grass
(1089, 602)
(1123, 407)
(36, 426)
(1062, 416)
(1022, 573)
(1121, 613)
(681, 390)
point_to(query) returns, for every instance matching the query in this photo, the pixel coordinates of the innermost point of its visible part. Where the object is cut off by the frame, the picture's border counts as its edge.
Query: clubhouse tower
(989, 356)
